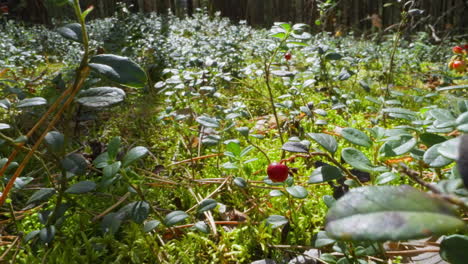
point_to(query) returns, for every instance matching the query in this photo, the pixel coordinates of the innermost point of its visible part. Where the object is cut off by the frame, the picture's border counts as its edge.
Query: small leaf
(150, 225)
(47, 234)
(398, 147)
(55, 141)
(240, 182)
(380, 213)
(297, 147)
(74, 163)
(328, 142)
(100, 97)
(137, 211)
(453, 249)
(113, 147)
(202, 227)
(208, 121)
(207, 205)
(297, 191)
(386, 177)
(359, 161)
(325, 173)
(119, 69)
(276, 193)
(111, 223)
(175, 217)
(41, 195)
(434, 159)
(277, 220)
(134, 154)
(72, 32)
(31, 235)
(333, 56)
(356, 136)
(81, 187)
(449, 148)
(28, 102)
(321, 240)
(4, 126)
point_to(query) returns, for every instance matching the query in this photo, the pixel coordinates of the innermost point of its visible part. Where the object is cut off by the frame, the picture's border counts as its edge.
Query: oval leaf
(150, 225)
(134, 154)
(55, 141)
(359, 161)
(28, 102)
(277, 220)
(101, 97)
(380, 213)
(325, 173)
(434, 159)
(75, 163)
(119, 69)
(207, 205)
(453, 249)
(72, 32)
(82, 187)
(175, 217)
(356, 136)
(328, 142)
(41, 195)
(297, 191)
(297, 147)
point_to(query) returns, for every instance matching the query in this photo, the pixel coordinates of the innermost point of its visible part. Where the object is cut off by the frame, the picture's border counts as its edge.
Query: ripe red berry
(277, 172)
(459, 66)
(465, 47)
(457, 49)
(287, 56)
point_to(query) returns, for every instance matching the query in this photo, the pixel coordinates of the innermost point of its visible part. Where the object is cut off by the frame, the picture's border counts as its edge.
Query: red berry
(465, 47)
(459, 65)
(287, 56)
(457, 49)
(277, 172)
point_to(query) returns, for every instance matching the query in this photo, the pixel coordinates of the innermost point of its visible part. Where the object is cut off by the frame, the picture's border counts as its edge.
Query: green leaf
(325, 173)
(150, 225)
(276, 193)
(175, 217)
(454, 87)
(297, 191)
(386, 177)
(111, 170)
(28, 102)
(81, 187)
(333, 56)
(296, 147)
(359, 161)
(111, 223)
(31, 235)
(240, 182)
(134, 154)
(280, 35)
(138, 211)
(453, 249)
(356, 136)
(55, 141)
(328, 142)
(41, 195)
(449, 148)
(397, 110)
(100, 97)
(321, 239)
(440, 114)
(430, 139)
(74, 163)
(434, 159)
(398, 147)
(113, 147)
(119, 69)
(202, 227)
(47, 234)
(208, 121)
(380, 213)
(277, 220)
(72, 32)
(207, 205)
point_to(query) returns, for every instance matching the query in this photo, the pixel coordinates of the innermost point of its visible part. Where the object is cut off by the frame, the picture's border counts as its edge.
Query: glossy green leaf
(119, 69)
(113, 147)
(175, 217)
(208, 121)
(325, 173)
(297, 191)
(398, 147)
(277, 220)
(41, 195)
(202, 227)
(295, 147)
(55, 142)
(453, 249)
(434, 159)
(386, 177)
(430, 139)
(328, 142)
(207, 205)
(134, 154)
(81, 187)
(150, 225)
(47, 234)
(321, 239)
(29, 102)
(449, 148)
(240, 182)
(276, 193)
(356, 136)
(359, 161)
(72, 32)
(380, 213)
(74, 163)
(111, 170)
(101, 97)
(111, 223)
(137, 211)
